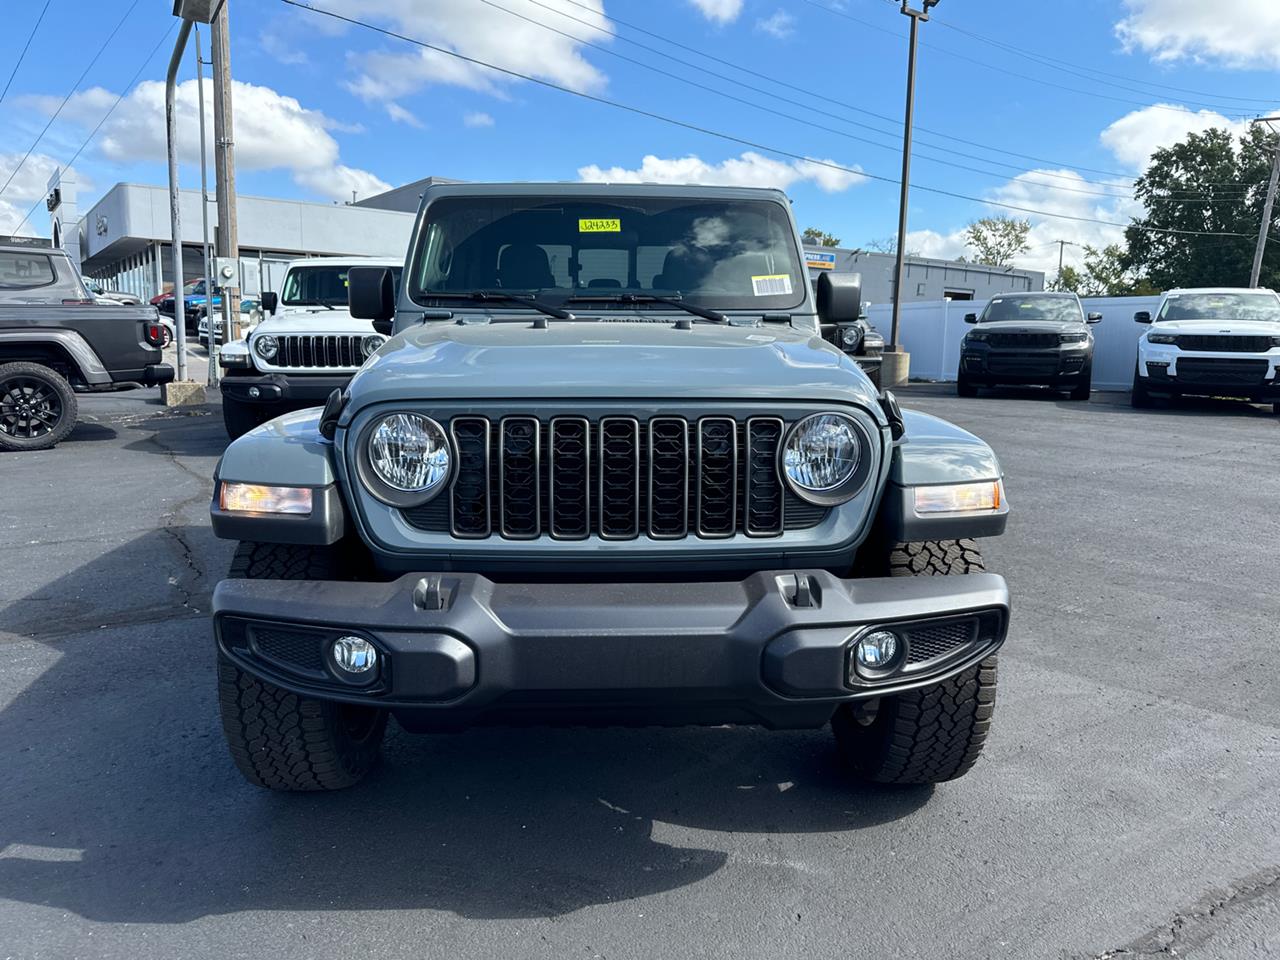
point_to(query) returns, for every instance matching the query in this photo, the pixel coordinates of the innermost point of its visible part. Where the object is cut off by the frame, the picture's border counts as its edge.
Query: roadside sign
(819, 261)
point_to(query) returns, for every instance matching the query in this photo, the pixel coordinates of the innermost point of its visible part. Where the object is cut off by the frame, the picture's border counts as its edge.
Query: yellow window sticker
(773, 285)
(600, 226)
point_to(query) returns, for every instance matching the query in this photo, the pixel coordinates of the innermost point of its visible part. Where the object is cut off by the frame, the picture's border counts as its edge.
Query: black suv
(1029, 338)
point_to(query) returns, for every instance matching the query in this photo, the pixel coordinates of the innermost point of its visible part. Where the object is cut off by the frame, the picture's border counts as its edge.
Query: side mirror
(1094, 318)
(269, 301)
(839, 297)
(1142, 316)
(371, 295)
(970, 318)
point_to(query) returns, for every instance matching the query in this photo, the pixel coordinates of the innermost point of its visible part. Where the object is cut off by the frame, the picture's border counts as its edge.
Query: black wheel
(278, 739)
(239, 417)
(965, 387)
(1138, 396)
(874, 376)
(935, 733)
(1082, 390)
(166, 337)
(37, 407)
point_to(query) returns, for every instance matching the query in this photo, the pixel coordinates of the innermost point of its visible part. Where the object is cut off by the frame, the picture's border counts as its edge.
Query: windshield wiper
(498, 296)
(676, 301)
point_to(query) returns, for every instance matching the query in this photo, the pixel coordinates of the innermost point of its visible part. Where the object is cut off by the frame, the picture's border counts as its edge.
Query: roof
(575, 189)
(1181, 290)
(347, 261)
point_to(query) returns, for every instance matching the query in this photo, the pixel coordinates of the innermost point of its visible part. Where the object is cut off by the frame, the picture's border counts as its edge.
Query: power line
(755, 105)
(25, 47)
(75, 86)
(639, 111)
(94, 132)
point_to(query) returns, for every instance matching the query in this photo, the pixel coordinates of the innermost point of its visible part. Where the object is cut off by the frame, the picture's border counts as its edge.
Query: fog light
(254, 393)
(354, 655)
(876, 651)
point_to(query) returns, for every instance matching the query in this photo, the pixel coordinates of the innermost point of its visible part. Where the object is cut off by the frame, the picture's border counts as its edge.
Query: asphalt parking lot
(1126, 805)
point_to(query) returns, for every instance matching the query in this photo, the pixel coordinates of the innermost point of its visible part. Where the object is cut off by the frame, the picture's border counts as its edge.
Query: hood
(605, 360)
(1255, 328)
(313, 320)
(1030, 326)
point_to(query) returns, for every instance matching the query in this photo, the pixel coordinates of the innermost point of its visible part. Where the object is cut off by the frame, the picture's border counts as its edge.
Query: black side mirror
(970, 318)
(371, 295)
(839, 297)
(1094, 318)
(269, 301)
(1142, 316)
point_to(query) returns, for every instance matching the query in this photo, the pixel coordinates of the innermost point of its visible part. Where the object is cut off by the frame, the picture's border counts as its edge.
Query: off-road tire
(1081, 391)
(239, 417)
(874, 377)
(965, 387)
(932, 734)
(278, 739)
(53, 385)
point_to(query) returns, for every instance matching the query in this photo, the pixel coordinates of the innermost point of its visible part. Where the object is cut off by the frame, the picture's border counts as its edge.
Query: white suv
(1220, 341)
(306, 346)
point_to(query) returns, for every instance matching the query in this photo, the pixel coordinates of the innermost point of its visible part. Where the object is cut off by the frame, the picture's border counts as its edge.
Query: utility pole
(1265, 227)
(897, 362)
(175, 198)
(210, 322)
(1062, 246)
(224, 168)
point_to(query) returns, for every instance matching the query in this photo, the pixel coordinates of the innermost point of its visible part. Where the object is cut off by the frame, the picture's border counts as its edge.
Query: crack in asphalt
(1212, 909)
(194, 573)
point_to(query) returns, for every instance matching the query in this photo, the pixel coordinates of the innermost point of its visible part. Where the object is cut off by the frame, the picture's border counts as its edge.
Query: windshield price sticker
(600, 226)
(773, 285)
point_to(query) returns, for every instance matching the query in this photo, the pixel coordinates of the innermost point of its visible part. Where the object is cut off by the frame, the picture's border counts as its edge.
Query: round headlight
(370, 344)
(266, 346)
(409, 453)
(821, 457)
(849, 336)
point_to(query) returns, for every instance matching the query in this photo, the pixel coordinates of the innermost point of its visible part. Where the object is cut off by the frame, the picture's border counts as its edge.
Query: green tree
(821, 238)
(1069, 280)
(1210, 183)
(995, 241)
(1108, 273)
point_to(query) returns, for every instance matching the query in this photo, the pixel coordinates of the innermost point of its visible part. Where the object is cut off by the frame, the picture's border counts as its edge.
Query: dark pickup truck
(49, 352)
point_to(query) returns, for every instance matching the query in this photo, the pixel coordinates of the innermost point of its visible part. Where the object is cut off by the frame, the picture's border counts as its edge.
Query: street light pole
(214, 328)
(1265, 227)
(898, 369)
(175, 200)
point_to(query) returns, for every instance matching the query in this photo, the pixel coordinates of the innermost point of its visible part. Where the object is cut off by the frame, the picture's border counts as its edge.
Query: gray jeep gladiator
(606, 471)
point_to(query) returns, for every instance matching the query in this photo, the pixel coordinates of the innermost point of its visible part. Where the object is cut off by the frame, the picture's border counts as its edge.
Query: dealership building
(124, 242)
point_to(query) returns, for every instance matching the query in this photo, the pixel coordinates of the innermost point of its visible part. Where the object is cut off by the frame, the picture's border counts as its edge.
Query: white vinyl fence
(932, 331)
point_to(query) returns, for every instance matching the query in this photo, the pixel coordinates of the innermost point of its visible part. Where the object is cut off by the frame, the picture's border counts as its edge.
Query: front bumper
(1063, 365)
(272, 388)
(460, 649)
(1254, 376)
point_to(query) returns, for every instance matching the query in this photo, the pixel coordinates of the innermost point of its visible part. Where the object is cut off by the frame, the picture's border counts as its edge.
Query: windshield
(1033, 308)
(727, 254)
(322, 285)
(1220, 306)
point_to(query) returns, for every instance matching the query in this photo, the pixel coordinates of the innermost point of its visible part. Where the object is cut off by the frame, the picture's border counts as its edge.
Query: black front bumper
(1052, 366)
(460, 649)
(272, 388)
(1235, 379)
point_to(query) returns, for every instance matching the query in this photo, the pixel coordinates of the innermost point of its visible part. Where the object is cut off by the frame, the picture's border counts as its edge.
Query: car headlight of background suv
(266, 346)
(404, 458)
(976, 336)
(825, 459)
(370, 344)
(1073, 337)
(1166, 338)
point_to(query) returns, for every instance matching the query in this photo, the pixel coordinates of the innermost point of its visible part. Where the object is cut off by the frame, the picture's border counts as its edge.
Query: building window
(958, 294)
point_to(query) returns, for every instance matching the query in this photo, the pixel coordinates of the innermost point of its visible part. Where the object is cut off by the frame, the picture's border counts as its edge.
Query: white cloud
(1237, 33)
(401, 115)
(272, 131)
(29, 184)
(477, 120)
(485, 33)
(1134, 137)
(719, 11)
(749, 170)
(938, 246)
(779, 24)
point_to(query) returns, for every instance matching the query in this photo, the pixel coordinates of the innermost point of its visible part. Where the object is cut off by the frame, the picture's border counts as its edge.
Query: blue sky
(1086, 88)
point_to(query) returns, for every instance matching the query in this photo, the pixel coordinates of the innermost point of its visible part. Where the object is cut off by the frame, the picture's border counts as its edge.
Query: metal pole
(214, 327)
(224, 169)
(1062, 244)
(1265, 227)
(906, 178)
(175, 213)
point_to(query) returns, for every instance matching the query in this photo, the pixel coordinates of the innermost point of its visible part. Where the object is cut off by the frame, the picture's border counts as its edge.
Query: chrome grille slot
(469, 496)
(764, 496)
(619, 478)
(519, 480)
(569, 451)
(717, 473)
(668, 478)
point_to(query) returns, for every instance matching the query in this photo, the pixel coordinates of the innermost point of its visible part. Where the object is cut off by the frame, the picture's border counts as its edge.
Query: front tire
(935, 733)
(1081, 391)
(1139, 397)
(280, 740)
(38, 408)
(965, 387)
(874, 376)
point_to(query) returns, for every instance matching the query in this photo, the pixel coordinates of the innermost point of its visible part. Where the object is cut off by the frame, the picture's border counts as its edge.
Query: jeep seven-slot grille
(298, 350)
(615, 477)
(1022, 339)
(1222, 343)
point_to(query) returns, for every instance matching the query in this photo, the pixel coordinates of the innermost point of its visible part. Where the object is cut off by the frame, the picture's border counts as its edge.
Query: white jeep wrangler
(307, 345)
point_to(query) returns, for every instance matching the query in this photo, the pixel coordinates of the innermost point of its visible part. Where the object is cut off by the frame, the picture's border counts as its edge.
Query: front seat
(524, 266)
(684, 269)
